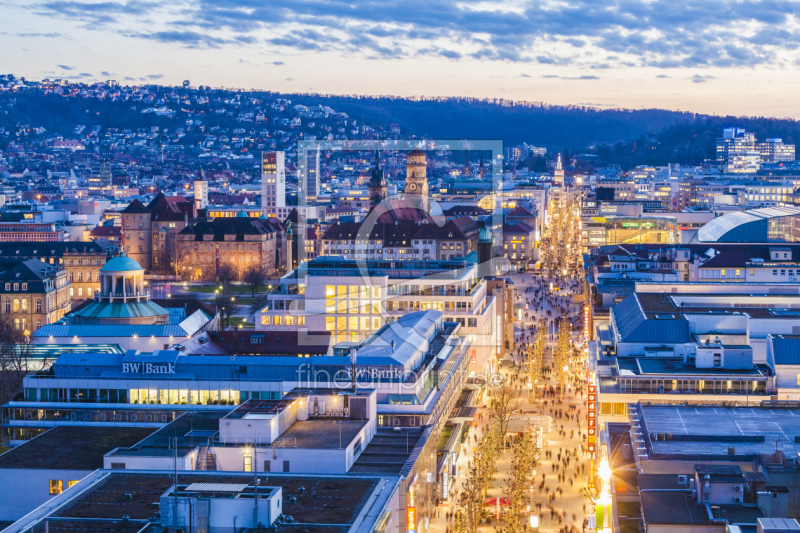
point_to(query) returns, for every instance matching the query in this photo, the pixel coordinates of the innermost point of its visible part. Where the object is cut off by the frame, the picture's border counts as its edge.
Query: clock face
(413, 186)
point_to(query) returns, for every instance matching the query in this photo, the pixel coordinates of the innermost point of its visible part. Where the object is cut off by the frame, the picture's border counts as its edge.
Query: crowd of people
(544, 297)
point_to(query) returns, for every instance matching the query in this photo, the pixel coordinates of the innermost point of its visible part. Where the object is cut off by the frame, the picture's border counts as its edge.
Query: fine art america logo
(148, 368)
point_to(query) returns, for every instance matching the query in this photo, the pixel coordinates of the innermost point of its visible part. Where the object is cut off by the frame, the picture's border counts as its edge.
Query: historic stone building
(150, 232)
(33, 294)
(240, 241)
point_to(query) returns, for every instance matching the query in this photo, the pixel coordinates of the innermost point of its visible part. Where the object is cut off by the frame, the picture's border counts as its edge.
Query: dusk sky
(710, 56)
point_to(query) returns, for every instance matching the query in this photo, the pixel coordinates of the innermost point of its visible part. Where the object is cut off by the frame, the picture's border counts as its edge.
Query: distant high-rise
(738, 151)
(775, 150)
(311, 167)
(273, 181)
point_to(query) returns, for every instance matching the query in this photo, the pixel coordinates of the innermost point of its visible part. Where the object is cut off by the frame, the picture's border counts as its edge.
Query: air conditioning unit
(683, 479)
(737, 500)
(737, 488)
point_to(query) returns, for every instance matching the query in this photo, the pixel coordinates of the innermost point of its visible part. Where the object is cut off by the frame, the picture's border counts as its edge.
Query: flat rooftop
(678, 508)
(325, 501)
(321, 433)
(712, 430)
(387, 452)
(647, 366)
(260, 408)
(192, 429)
(71, 448)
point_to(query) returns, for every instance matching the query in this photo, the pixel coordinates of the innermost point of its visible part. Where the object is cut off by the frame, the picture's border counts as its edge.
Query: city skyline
(718, 57)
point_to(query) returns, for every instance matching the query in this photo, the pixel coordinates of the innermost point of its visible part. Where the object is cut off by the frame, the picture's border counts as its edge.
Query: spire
(558, 163)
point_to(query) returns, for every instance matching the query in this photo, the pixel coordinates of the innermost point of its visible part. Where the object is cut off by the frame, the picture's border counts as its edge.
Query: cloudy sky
(714, 56)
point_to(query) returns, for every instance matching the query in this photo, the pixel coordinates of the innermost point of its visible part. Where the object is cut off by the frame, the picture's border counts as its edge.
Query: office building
(775, 150)
(353, 301)
(309, 174)
(273, 182)
(156, 387)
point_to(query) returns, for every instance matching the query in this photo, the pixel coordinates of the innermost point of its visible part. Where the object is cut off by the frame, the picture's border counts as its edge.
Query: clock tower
(417, 175)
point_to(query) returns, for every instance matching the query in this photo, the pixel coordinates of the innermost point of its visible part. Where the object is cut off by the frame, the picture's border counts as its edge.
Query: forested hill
(540, 125)
(623, 137)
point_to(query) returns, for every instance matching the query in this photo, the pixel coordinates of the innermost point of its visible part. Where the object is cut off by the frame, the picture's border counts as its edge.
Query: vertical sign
(411, 520)
(591, 430)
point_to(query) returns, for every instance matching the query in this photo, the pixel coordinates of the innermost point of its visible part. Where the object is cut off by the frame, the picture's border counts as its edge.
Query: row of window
(288, 320)
(57, 485)
(16, 286)
(21, 306)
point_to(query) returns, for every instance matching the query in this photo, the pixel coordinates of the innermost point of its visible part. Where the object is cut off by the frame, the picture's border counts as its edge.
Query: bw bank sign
(148, 368)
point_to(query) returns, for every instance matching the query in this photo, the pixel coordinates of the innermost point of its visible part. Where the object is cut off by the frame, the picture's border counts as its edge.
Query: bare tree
(176, 256)
(503, 401)
(561, 356)
(518, 482)
(15, 359)
(254, 276)
(226, 307)
(471, 500)
(226, 276)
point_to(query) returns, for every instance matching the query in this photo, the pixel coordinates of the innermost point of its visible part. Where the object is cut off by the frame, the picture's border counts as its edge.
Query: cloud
(576, 78)
(106, 73)
(193, 39)
(52, 35)
(658, 33)
(65, 67)
(278, 63)
(524, 75)
(698, 78)
(94, 13)
(288, 79)
(662, 76)
(154, 76)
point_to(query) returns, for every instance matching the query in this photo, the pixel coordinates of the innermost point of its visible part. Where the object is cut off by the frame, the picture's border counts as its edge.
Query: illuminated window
(56, 486)
(72, 482)
(329, 323)
(265, 320)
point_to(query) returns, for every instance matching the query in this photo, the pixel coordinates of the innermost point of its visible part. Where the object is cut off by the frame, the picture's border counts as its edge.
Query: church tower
(377, 185)
(417, 176)
(558, 175)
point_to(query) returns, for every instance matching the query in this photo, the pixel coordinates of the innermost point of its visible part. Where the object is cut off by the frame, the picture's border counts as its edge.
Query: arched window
(24, 305)
(16, 323)
(16, 305)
